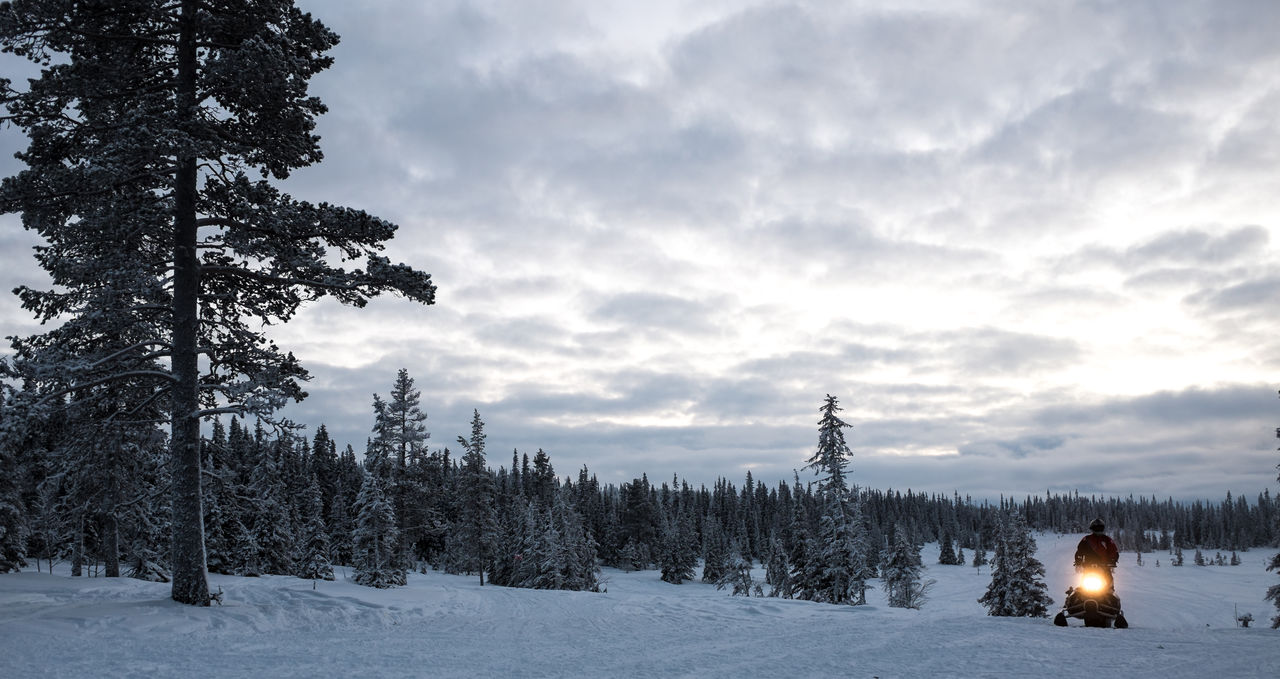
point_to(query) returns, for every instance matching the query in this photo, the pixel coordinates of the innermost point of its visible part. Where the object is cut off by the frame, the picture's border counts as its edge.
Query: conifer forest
(279, 502)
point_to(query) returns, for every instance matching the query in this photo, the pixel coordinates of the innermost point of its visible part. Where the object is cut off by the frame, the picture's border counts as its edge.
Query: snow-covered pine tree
(376, 561)
(979, 555)
(267, 517)
(802, 546)
(313, 562)
(219, 504)
(901, 572)
(679, 555)
(947, 552)
(716, 555)
(146, 192)
(583, 558)
(1016, 588)
(378, 450)
(996, 598)
(548, 554)
(476, 518)
(401, 435)
(737, 574)
(638, 522)
(422, 524)
(542, 485)
(832, 456)
(515, 563)
(778, 570)
(405, 428)
(341, 526)
(246, 553)
(632, 557)
(837, 568)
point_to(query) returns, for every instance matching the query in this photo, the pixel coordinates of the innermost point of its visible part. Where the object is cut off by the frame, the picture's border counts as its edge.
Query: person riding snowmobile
(1094, 600)
(1097, 548)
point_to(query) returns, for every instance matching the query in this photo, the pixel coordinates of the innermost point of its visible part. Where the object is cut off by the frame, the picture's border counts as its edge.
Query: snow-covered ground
(441, 626)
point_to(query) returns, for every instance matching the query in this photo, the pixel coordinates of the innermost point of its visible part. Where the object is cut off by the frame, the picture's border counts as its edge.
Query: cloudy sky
(1029, 245)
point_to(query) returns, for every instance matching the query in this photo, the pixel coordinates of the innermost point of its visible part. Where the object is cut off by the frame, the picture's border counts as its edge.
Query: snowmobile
(1093, 599)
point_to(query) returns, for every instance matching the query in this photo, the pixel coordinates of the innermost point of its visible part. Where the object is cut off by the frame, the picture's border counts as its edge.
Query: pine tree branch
(279, 280)
(147, 343)
(224, 410)
(105, 380)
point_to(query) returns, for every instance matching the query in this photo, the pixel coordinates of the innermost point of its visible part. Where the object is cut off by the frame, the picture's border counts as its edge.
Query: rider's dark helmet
(1097, 526)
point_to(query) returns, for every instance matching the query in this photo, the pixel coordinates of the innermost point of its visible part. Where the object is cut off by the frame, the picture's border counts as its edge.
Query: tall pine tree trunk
(77, 549)
(111, 526)
(190, 580)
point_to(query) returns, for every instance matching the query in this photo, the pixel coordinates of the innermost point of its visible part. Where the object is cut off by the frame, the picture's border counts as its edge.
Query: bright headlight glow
(1092, 582)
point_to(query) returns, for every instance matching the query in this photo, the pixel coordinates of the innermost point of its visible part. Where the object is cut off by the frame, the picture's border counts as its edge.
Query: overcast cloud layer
(1030, 245)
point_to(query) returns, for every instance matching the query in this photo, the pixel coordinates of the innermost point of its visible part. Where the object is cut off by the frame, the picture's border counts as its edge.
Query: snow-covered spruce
(901, 573)
(377, 562)
(835, 567)
(1016, 588)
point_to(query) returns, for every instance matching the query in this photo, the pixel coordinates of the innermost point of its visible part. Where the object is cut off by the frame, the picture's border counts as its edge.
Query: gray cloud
(1019, 448)
(644, 311)
(1259, 296)
(990, 350)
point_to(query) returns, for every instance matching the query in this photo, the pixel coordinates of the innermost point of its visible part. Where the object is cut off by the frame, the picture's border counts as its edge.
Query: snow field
(448, 626)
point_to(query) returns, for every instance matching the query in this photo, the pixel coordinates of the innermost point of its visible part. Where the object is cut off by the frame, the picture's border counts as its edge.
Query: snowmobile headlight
(1092, 582)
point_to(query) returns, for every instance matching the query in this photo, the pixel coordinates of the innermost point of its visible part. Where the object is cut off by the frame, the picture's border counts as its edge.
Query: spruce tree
(716, 555)
(405, 428)
(679, 555)
(313, 560)
(220, 507)
(583, 573)
(737, 573)
(778, 571)
(146, 125)
(376, 560)
(832, 455)
(476, 517)
(837, 568)
(247, 553)
(1016, 588)
(979, 556)
(268, 517)
(947, 552)
(901, 573)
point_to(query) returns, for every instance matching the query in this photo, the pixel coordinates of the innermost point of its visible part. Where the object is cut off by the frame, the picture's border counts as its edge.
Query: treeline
(278, 503)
